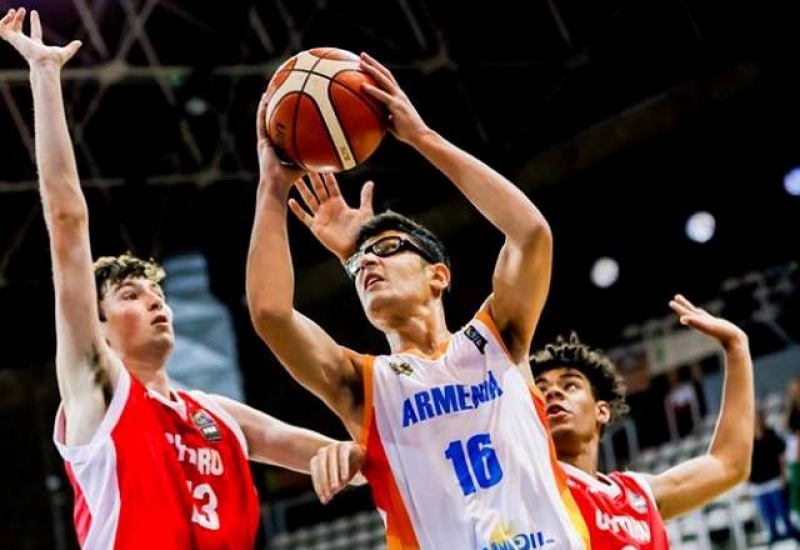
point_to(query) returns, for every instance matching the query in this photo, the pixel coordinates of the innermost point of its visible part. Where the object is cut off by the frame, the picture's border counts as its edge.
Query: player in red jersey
(583, 394)
(151, 467)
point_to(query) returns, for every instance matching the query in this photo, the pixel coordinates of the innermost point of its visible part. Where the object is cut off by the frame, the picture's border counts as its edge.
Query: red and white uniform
(619, 510)
(166, 474)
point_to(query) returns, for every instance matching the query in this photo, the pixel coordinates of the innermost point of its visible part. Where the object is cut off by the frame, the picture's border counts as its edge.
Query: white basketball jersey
(458, 453)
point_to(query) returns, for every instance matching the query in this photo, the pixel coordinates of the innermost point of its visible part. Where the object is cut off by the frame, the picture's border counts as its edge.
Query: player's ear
(603, 412)
(440, 278)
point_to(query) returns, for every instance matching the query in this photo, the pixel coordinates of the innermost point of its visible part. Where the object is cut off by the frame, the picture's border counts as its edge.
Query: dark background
(618, 118)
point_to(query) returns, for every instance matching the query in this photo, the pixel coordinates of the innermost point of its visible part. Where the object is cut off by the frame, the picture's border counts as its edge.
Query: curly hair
(110, 271)
(597, 367)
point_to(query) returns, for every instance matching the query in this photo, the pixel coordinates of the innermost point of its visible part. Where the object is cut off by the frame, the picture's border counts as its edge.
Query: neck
(152, 376)
(424, 331)
(583, 457)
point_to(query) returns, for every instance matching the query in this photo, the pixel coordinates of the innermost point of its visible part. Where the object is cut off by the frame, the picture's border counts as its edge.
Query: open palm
(331, 220)
(31, 47)
(699, 319)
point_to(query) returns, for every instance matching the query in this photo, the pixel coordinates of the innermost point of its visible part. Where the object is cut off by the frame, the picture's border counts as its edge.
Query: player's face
(391, 275)
(574, 415)
(138, 320)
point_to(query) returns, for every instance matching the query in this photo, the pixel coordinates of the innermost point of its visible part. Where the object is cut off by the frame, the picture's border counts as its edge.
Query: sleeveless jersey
(163, 474)
(458, 451)
(619, 510)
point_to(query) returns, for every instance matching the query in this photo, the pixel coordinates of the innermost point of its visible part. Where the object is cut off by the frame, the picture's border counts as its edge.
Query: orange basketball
(318, 117)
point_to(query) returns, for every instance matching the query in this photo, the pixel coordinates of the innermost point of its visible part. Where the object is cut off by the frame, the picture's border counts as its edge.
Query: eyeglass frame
(353, 264)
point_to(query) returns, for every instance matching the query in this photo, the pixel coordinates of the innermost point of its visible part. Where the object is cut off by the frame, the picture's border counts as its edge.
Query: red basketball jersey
(166, 474)
(619, 510)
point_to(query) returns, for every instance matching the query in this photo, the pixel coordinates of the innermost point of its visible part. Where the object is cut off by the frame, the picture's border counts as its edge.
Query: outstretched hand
(692, 316)
(336, 466)
(31, 47)
(332, 221)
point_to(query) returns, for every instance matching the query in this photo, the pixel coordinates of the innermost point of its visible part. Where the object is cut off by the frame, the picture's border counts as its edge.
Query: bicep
(520, 285)
(311, 356)
(690, 485)
(83, 359)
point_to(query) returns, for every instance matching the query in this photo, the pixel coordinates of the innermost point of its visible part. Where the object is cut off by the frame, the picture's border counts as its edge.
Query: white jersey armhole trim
(208, 402)
(81, 453)
(641, 480)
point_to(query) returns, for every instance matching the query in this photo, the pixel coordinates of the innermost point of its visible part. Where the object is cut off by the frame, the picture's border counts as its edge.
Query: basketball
(318, 117)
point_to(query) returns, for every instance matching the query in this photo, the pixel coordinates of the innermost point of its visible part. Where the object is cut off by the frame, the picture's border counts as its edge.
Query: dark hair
(421, 235)
(110, 271)
(598, 368)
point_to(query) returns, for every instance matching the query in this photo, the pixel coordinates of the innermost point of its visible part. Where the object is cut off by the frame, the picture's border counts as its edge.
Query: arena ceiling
(618, 118)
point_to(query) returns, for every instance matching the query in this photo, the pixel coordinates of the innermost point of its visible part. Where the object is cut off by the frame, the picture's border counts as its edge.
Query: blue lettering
(480, 394)
(409, 416)
(444, 399)
(462, 398)
(448, 399)
(495, 390)
(424, 408)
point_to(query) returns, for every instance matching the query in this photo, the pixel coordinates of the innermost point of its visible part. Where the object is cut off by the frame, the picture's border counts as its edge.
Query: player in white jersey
(458, 451)
(584, 394)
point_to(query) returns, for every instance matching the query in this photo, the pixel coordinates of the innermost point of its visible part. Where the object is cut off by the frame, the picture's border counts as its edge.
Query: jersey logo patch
(401, 367)
(637, 501)
(476, 338)
(207, 425)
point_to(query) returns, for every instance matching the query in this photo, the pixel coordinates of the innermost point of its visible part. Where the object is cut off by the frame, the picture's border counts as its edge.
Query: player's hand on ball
(404, 120)
(271, 168)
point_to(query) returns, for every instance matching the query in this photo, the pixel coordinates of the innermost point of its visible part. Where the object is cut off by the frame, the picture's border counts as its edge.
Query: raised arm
(86, 370)
(310, 355)
(727, 463)
(522, 274)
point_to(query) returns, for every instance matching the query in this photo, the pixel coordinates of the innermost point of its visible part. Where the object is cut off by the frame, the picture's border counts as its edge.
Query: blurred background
(659, 138)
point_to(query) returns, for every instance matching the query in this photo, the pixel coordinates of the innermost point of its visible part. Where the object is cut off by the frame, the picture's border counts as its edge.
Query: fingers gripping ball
(318, 117)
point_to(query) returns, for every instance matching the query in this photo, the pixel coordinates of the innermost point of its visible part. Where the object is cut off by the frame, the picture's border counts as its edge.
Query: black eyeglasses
(387, 246)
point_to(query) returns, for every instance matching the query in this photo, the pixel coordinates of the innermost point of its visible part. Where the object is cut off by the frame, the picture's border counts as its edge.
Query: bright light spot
(700, 227)
(605, 272)
(791, 181)
(197, 106)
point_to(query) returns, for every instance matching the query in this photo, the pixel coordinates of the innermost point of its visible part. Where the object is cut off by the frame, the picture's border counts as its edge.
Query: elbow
(266, 315)
(742, 473)
(67, 220)
(537, 235)
(737, 471)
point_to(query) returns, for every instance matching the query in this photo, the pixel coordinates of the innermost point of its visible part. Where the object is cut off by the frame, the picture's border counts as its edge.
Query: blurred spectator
(767, 477)
(793, 444)
(681, 406)
(696, 378)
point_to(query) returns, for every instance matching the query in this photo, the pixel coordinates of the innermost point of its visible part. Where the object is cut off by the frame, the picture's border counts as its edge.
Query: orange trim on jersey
(485, 317)
(573, 511)
(399, 529)
(366, 416)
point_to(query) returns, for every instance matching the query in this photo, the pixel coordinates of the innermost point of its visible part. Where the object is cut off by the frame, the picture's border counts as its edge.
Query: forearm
(58, 173)
(733, 437)
(499, 200)
(291, 447)
(270, 275)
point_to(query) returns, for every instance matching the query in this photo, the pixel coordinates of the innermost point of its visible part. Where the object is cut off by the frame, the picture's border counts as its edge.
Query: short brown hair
(110, 271)
(597, 367)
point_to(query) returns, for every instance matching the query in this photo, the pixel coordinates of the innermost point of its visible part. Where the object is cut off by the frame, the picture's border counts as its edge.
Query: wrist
(44, 66)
